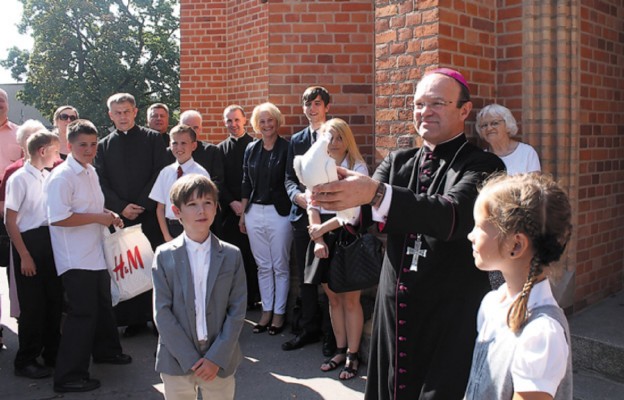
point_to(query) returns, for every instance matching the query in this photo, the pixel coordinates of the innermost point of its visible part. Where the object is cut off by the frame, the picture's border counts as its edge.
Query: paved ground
(266, 373)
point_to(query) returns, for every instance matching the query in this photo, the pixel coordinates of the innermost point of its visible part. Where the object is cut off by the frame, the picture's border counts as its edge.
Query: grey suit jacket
(174, 308)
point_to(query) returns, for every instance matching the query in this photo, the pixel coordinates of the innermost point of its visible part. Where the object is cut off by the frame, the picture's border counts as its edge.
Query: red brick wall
(223, 58)
(329, 43)
(601, 171)
(412, 37)
(248, 52)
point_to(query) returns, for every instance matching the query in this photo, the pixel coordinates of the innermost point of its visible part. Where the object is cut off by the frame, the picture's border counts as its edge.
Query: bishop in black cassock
(424, 325)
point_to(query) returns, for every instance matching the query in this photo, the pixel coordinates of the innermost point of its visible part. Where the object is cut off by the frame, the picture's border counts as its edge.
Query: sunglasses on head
(65, 117)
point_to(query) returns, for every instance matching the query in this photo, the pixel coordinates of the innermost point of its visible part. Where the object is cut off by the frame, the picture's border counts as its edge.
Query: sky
(9, 36)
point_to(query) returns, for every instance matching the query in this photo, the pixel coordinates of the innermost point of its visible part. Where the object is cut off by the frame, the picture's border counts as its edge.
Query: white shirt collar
(187, 165)
(196, 246)
(31, 169)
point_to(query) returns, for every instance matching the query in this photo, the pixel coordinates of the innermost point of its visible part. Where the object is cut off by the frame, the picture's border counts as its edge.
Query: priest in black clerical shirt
(233, 149)
(128, 161)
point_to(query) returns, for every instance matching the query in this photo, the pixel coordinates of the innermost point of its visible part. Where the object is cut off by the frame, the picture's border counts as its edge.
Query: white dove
(316, 167)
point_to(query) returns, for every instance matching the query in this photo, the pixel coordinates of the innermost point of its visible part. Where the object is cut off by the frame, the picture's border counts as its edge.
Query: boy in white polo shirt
(183, 141)
(39, 290)
(77, 218)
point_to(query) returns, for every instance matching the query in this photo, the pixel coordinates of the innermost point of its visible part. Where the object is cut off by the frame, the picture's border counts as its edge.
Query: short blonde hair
(272, 110)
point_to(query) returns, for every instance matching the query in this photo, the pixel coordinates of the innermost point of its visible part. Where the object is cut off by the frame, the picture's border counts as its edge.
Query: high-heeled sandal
(274, 329)
(257, 328)
(331, 363)
(349, 368)
(266, 316)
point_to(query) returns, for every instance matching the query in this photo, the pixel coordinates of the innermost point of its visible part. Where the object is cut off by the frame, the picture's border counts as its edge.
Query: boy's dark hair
(40, 139)
(188, 186)
(80, 127)
(313, 92)
(181, 128)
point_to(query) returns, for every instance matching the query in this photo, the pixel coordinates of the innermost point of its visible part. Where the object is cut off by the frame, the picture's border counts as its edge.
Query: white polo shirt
(166, 179)
(24, 195)
(72, 188)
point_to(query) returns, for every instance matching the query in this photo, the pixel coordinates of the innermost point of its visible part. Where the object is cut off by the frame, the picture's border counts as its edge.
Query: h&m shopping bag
(129, 257)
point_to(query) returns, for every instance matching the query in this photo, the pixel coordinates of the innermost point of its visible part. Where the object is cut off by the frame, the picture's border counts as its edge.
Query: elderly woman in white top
(497, 126)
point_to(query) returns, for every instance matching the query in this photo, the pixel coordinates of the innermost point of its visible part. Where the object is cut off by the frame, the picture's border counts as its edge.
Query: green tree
(86, 50)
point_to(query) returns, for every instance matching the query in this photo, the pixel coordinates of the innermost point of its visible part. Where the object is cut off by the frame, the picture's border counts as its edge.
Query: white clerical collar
(236, 138)
(433, 146)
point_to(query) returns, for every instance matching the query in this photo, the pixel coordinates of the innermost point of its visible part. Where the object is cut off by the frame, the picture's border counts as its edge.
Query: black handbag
(356, 262)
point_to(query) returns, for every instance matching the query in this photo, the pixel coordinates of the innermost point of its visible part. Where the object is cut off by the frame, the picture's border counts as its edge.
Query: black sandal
(333, 364)
(257, 328)
(348, 368)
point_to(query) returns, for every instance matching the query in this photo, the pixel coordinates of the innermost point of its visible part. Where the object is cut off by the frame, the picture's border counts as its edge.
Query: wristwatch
(379, 195)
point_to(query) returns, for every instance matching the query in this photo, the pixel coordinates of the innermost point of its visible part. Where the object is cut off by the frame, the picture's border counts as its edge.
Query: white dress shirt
(166, 179)
(199, 258)
(72, 188)
(24, 195)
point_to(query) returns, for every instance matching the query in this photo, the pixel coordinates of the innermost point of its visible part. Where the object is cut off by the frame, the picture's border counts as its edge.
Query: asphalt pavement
(267, 372)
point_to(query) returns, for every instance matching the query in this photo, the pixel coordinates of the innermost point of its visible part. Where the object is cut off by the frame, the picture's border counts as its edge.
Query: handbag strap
(366, 214)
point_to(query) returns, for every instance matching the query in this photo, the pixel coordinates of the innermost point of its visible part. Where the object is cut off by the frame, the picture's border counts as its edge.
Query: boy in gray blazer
(200, 298)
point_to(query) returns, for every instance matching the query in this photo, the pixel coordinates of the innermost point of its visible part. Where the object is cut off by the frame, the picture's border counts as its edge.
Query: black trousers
(314, 320)
(41, 301)
(231, 233)
(89, 329)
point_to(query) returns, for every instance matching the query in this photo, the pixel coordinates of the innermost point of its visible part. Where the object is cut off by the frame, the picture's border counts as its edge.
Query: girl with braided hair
(522, 225)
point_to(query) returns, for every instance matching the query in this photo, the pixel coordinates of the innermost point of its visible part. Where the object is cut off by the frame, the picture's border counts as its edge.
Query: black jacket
(276, 171)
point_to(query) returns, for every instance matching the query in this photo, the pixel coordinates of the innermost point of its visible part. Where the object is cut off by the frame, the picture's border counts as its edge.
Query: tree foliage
(86, 50)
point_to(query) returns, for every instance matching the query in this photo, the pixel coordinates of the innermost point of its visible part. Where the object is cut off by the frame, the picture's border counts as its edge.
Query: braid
(518, 312)
(534, 205)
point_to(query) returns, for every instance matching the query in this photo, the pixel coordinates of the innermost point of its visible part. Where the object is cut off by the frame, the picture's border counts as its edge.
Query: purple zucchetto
(452, 74)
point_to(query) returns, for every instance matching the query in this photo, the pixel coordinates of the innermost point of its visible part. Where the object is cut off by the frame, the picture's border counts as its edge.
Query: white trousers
(270, 238)
(185, 387)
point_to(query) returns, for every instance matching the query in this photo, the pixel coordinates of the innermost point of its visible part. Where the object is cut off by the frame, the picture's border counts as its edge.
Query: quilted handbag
(356, 262)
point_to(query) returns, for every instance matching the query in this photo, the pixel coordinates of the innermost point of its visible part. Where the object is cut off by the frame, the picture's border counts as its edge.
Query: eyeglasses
(65, 117)
(434, 105)
(494, 124)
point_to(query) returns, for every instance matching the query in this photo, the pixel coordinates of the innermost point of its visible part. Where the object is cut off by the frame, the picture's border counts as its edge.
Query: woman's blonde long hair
(341, 127)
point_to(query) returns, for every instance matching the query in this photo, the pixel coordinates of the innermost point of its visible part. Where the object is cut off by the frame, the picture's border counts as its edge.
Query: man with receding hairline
(233, 149)
(158, 120)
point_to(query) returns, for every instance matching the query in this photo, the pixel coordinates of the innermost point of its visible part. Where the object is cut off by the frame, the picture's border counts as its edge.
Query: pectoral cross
(416, 252)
